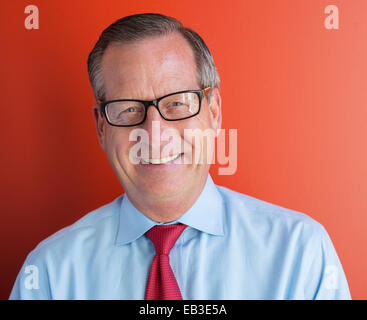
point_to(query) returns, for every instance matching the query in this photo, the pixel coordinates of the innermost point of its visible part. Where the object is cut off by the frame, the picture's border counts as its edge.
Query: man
(174, 234)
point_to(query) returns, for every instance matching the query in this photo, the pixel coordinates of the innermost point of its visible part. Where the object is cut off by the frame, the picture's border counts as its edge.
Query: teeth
(160, 161)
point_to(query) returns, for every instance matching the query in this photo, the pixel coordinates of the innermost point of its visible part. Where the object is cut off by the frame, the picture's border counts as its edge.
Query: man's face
(147, 70)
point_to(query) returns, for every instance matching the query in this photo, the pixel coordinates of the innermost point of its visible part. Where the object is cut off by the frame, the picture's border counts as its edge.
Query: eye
(131, 109)
(176, 104)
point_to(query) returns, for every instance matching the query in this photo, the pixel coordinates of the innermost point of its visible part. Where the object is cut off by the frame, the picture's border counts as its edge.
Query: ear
(100, 124)
(215, 109)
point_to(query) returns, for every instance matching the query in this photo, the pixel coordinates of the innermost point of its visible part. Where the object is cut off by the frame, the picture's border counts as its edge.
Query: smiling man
(149, 69)
(174, 234)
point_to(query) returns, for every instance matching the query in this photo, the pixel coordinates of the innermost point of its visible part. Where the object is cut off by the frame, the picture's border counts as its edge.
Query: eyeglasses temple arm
(206, 90)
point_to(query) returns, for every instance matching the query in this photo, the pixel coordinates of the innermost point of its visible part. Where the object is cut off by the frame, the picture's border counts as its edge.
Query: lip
(162, 160)
(170, 164)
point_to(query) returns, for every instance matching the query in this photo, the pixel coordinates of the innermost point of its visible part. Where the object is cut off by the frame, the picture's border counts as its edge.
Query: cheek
(117, 144)
(194, 139)
(203, 118)
(201, 121)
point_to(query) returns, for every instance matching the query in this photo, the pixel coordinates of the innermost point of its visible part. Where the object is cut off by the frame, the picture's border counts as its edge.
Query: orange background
(296, 92)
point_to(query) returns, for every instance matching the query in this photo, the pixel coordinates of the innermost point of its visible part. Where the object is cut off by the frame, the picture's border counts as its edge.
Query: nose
(153, 118)
(154, 124)
(152, 115)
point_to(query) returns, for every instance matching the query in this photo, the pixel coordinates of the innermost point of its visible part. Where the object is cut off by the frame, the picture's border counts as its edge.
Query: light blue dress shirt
(235, 247)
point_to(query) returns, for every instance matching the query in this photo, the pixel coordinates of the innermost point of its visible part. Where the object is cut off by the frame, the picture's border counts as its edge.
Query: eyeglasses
(172, 107)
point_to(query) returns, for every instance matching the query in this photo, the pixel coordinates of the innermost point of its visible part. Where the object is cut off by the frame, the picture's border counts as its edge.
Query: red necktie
(162, 284)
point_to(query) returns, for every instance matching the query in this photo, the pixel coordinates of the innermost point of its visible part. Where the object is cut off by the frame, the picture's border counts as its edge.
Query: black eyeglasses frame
(103, 104)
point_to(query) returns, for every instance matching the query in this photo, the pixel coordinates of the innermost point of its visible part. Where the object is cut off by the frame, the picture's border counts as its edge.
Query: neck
(167, 208)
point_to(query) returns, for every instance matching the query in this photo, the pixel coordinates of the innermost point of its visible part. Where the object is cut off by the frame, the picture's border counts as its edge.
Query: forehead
(149, 68)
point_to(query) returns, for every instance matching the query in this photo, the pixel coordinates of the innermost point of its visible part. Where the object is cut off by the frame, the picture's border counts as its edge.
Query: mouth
(161, 160)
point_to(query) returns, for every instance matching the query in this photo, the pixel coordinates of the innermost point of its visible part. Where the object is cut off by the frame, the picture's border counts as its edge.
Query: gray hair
(139, 26)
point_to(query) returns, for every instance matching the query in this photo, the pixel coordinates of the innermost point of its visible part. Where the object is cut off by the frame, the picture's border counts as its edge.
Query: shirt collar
(205, 215)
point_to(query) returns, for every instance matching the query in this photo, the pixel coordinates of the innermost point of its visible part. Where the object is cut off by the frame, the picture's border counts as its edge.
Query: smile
(161, 160)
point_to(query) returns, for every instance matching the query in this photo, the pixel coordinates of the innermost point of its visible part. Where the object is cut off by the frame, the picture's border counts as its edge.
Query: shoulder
(89, 227)
(65, 253)
(262, 216)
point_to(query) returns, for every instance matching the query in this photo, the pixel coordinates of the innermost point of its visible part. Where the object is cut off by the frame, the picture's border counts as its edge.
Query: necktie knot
(164, 237)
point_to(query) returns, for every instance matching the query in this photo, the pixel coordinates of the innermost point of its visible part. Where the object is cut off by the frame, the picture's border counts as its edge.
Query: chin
(163, 186)
(163, 189)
